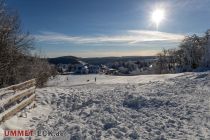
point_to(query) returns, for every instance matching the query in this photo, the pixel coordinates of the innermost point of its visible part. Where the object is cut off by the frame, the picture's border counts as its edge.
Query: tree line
(193, 54)
(17, 64)
(131, 67)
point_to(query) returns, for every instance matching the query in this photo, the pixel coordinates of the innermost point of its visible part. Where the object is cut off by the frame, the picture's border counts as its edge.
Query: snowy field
(148, 107)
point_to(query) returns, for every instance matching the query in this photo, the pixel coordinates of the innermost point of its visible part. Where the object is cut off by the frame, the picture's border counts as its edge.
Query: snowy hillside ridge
(171, 106)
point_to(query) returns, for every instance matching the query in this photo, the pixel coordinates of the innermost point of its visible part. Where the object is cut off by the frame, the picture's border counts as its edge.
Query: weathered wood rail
(15, 98)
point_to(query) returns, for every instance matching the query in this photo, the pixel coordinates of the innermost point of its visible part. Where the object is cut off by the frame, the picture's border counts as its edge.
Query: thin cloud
(130, 37)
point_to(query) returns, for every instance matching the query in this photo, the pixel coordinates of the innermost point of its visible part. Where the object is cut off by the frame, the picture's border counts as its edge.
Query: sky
(101, 28)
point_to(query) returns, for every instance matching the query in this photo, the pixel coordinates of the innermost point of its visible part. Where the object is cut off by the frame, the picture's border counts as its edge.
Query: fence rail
(15, 98)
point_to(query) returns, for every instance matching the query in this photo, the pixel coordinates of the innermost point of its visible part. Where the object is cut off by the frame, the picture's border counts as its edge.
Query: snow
(169, 106)
(73, 80)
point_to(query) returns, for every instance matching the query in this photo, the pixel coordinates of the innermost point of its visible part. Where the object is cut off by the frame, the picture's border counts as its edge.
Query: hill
(64, 60)
(98, 60)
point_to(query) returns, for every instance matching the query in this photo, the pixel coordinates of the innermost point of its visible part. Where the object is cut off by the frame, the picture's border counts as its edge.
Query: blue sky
(96, 28)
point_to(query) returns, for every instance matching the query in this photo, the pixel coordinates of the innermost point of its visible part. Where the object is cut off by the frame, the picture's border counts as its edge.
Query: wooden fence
(15, 98)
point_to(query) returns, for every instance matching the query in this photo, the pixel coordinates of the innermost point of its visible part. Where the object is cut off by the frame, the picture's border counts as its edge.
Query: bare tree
(16, 62)
(193, 53)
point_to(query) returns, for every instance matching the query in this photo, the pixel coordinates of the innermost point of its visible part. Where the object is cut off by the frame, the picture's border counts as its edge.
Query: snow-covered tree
(193, 53)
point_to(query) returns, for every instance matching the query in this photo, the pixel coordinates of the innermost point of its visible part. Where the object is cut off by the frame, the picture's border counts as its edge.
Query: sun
(157, 16)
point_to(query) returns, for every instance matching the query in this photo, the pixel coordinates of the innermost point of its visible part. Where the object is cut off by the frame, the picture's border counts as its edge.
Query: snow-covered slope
(72, 80)
(172, 106)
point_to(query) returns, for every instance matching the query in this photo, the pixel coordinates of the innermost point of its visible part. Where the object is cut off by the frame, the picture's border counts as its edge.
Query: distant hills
(98, 60)
(64, 60)
(105, 60)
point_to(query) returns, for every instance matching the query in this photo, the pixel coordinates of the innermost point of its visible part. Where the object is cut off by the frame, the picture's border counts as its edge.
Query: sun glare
(157, 16)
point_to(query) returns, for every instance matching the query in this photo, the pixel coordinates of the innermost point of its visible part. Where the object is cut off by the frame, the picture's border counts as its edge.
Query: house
(104, 69)
(63, 67)
(94, 69)
(81, 68)
(112, 71)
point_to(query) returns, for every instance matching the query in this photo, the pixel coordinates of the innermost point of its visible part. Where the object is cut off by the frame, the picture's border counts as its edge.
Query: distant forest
(106, 60)
(98, 60)
(129, 65)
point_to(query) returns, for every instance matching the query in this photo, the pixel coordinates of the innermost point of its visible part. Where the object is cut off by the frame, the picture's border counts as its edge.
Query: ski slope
(73, 80)
(170, 106)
